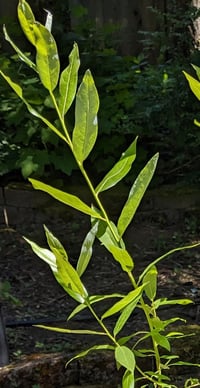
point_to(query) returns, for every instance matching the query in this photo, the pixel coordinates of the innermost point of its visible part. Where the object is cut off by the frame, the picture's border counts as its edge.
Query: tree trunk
(195, 31)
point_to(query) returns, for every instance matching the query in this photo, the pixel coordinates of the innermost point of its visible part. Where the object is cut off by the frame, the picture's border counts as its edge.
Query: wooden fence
(132, 16)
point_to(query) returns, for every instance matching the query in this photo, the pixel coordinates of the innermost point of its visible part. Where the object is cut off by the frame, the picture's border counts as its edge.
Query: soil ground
(40, 297)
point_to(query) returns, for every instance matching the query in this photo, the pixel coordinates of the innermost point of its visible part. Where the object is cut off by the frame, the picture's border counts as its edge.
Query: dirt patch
(41, 298)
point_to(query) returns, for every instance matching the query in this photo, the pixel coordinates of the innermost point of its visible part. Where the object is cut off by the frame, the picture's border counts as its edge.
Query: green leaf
(136, 193)
(71, 331)
(87, 351)
(86, 128)
(26, 19)
(107, 237)
(197, 69)
(22, 56)
(185, 363)
(86, 250)
(68, 82)
(63, 271)
(194, 84)
(125, 357)
(47, 60)
(91, 300)
(55, 245)
(164, 302)
(124, 316)
(161, 340)
(123, 257)
(67, 199)
(128, 380)
(18, 90)
(129, 298)
(151, 283)
(44, 254)
(164, 256)
(120, 169)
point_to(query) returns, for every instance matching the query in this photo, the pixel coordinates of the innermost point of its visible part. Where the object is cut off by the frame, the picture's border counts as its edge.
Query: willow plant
(63, 90)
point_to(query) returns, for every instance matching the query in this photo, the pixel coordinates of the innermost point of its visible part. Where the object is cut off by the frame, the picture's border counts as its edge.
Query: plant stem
(80, 165)
(102, 324)
(148, 318)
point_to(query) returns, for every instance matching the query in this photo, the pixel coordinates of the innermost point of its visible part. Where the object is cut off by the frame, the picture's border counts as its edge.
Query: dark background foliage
(141, 94)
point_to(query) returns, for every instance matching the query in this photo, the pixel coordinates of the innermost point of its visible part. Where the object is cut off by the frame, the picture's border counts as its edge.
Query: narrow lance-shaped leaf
(129, 298)
(156, 261)
(151, 283)
(194, 84)
(63, 271)
(55, 245)
(86, 250)
(128, 380)
(87, 351)
(161, 340)
(122, 256)
(71, 331)
(86, 127)
(197, 69)
(124, 316)
(26, 19)
(47, 60)
(91, 300)
(18, 90)
(68, 82)
(106, 236)
(119, 170)
(22, 56)
(67, 199)
(136, 194)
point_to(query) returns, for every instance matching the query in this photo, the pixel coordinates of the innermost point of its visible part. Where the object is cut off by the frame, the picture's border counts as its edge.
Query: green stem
(102, 325)
(101, 207)
(155, 347)
(84, 173)
(61, 121)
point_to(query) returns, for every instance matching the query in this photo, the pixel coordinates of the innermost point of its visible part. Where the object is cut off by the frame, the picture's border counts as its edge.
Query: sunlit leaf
(123, 257)
(86, 250)
(22, 56)
(87, 351)
(92, 299)
(26, 19)
(128, 380)
(120, 169)
(160, 258)
(124, 316)
(86, 127)
(63, 271)
(129, 298)
(47, 60)
(161, 340)
(44, 254)
(67, 199)
(18, 90)
(71, 331)
(164, 302)
(125, 357)
(194, 84)
(55, 245)
(68, 82)
(136, 193)
(151, 283)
